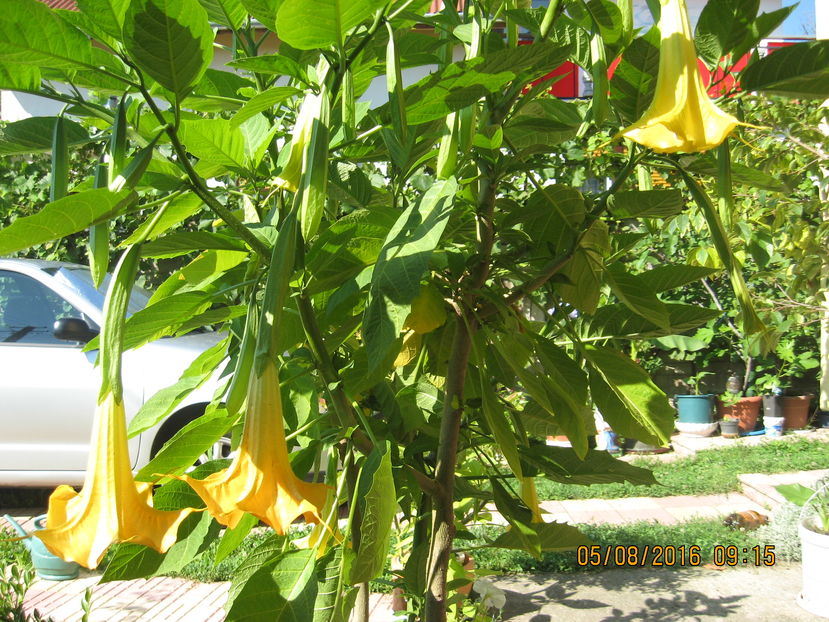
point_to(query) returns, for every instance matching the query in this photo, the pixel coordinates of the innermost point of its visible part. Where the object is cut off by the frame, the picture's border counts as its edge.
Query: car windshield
(80, 279)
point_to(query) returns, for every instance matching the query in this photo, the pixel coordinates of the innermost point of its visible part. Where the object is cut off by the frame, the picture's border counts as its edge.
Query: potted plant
(814, 541)
(730, 427)
(695, 412)
(744, 409)
(779, 401)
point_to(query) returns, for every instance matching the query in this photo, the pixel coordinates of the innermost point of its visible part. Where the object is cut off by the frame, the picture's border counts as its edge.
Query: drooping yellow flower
(260, 480)
(111, 507)
(529, 495)
(681, 116)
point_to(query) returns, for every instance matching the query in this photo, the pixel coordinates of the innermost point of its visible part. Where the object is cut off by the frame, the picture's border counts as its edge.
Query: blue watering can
(47, 565)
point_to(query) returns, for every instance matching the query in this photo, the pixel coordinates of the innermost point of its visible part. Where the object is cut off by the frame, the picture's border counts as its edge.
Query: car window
(29, 309)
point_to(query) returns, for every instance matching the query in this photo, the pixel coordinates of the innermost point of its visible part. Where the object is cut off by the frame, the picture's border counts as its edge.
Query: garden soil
(657, 595)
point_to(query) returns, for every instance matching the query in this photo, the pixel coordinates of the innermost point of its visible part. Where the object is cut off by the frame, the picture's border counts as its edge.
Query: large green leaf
(551, 537)
(495, 418)
(584, 270)
(349, 245)
(634, 80)
(800, 70)
(264, 554)
(722, 25)
(215, 142)
(263, 101)
(281, 591)
(378, 502)
(463, 83)
(14, 77)
(65, 216)
(179, 209)
(401, 264)
(627, 398)
(179, 243)
(542, 125)
(33, 34)
(667, 277)
(35, 133)
(740, 173)
(561, 464)
(170, 40)
(187, 445)
(135, 561)
(322, 24)
(548, 382)
(646, 203)
(329, 567)
(108, 15)
(228, 13)
(550, 216)
(277, 64)
(636, 295)
(162, 403)
(617, 321)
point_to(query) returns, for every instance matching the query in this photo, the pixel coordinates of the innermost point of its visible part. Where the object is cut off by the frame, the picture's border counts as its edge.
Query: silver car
(49, 385)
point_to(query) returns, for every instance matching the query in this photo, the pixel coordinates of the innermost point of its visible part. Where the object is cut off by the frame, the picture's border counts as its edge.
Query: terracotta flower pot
(746, 409)
(796, 411)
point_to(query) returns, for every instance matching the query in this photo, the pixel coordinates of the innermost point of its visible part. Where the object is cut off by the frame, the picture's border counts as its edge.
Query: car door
(48, 387)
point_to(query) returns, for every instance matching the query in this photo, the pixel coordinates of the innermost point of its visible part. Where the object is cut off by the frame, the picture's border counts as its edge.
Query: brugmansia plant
(395, 250)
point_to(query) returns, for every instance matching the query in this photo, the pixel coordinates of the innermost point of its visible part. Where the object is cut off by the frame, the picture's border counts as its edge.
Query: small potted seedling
(695, 412)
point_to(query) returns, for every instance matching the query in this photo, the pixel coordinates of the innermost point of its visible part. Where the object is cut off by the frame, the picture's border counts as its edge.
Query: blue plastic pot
(695, 408)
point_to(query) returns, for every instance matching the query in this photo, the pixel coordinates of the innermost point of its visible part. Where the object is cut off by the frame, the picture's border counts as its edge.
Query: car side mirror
(73, 329)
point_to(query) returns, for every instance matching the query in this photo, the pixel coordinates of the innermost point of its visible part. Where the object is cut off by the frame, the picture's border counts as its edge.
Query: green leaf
(215, 142)
(800, 70)
(542, 125)
(627, 398)
(545, 383)
(276, 64)
(739, 173)
(795, 493)
(134, 561)
(329, 568)
(636, 295)
(162, 318)
(646, 203)
(170, 40)
(108, 15)
(199, 273)
(162, 403)
(175, 244)
(186, 445)
(349, 245)
(228, 13)
(322, 24)
(63, 217)
(722, 26)
(232, 538)
(519, 517)
(378, 502)
(561, 464)
(283, 590)
(264, 101)
(35, 135)
(15, 77)
(264, 554)
(463, 83)
(179, 209)
(551, 216)
(264, 11)
(584, 270)
(403, 261)
(617, 321)
(668, 277)
(32, 34)
(634, 81)
(497, 423)
(551, 537)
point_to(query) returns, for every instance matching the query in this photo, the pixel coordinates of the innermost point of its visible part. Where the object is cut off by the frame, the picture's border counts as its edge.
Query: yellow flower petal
(111, 507)
(260, 480)
(289, 176)
(681, 116)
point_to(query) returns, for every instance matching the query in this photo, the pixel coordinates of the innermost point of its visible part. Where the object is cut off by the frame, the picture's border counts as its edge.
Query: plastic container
(695, 408)
(774, 426)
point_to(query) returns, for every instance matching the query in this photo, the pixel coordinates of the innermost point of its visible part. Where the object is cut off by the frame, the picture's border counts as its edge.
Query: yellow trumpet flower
(112, 506)
(260, 480)
(529, 495)
(681, 116)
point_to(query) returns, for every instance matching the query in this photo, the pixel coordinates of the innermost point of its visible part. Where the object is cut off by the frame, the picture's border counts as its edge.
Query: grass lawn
(712, 471)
